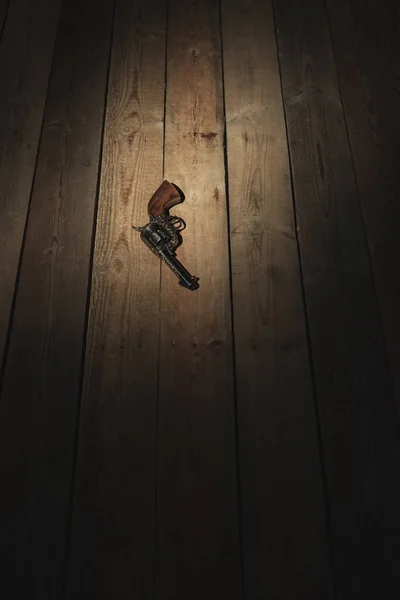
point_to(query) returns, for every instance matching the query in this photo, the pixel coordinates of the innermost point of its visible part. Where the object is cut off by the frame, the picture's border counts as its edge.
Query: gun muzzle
(160, 242)
(185, 278)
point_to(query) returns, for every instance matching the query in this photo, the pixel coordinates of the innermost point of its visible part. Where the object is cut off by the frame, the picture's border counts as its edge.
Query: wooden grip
(166, 196)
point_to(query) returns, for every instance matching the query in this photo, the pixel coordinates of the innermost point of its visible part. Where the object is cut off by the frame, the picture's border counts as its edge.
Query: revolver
(163, 233)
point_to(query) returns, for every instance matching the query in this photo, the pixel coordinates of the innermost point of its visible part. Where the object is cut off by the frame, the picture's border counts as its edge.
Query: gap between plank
(86, 323)
(4, 20)
(156, 469)
(21, 254)
(308, 337)
(362, 214)
(235, 395)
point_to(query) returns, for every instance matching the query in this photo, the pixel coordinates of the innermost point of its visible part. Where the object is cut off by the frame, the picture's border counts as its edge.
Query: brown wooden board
(112, 547)
(369, 71)
(197, 545)
(26, 53)
(38, 408)
(285, 545)
(356, 405)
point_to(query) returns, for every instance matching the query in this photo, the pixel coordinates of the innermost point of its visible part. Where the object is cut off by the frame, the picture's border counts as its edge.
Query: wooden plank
(356, 405)
(285, 545)
(112, 551)
(197, 546)
(38, 408)
(4, 4)
(389, 24)
(369, 74)
(25, 58)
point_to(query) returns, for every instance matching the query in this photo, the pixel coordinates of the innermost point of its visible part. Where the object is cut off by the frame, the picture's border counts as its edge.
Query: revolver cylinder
(162, 234)
(162, 241)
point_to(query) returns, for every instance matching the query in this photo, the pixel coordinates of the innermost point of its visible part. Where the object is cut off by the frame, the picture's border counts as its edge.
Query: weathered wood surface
(369, 79)
(197, 542)
(156, 500)
(4, 5)
(389, 24)
(285, 545)
(112, 546)
(356, 405)
(26, 52)
(39, 404)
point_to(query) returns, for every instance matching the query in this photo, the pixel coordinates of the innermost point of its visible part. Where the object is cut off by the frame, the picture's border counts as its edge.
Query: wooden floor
(236, 442)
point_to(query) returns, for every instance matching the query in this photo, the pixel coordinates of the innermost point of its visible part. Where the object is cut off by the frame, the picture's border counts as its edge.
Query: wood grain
(197, 517)
(285, 545)
(389, 24)
(356, 405)
(113, 522)
(26, 53)
(369, 76)
(4, 4)
(38, 408)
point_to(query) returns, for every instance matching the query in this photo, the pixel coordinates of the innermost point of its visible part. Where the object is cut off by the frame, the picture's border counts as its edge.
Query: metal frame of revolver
(162, 236)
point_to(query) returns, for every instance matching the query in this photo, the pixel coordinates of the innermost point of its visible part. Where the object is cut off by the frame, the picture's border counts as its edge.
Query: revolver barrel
(158, 240)
(185, 278)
